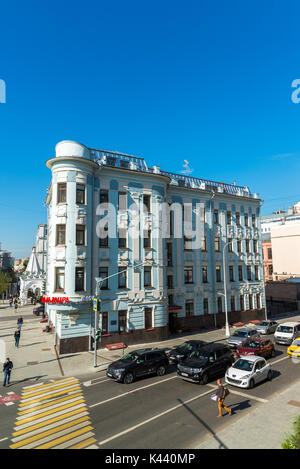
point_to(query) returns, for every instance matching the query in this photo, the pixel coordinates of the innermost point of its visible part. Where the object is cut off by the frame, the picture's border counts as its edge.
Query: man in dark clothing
(221, 394)
(20, 323)
(7, 367)
(17, 337)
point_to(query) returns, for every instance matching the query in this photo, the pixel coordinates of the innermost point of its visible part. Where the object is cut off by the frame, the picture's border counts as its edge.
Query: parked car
(294, 349)
(240, 335)
(205, 363)
(246, 372)
(39, 310)
(267, 326)
(287, 332)
(138, 363)
(260, 346)
(183, 350)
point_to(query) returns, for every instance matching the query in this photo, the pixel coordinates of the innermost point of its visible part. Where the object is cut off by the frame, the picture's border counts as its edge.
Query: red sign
(55, 299)
(9, 398)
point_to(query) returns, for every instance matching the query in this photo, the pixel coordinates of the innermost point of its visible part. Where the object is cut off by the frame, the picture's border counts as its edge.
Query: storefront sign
(58, 299)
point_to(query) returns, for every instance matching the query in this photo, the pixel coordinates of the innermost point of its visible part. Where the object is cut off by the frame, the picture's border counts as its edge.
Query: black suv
(138, 363)
(205, 363)
(183, 350)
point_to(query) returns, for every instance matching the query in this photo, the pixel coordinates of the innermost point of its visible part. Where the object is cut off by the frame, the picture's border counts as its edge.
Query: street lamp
(99, 282)
(227, 329)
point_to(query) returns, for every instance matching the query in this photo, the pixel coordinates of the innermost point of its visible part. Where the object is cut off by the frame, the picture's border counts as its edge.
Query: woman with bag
(221, 394)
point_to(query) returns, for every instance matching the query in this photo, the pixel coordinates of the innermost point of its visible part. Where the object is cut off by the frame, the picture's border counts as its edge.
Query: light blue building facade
(154, 278)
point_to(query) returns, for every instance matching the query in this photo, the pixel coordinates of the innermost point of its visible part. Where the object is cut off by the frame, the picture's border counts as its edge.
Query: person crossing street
(17, 336)
(221, 394)
(7, 367)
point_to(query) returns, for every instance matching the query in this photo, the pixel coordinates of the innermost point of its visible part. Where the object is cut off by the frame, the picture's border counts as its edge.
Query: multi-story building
(267, 256)
(41, 246)
(5, 260)
(167, 237)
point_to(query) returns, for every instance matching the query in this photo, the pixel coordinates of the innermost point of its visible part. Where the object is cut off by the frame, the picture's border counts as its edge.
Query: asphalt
(263, 427)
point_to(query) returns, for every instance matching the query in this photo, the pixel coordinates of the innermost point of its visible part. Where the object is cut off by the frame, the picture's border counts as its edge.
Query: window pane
(60, 278)
(79, 279)
(61, 234)
(80, 194)
(80, 232)
(61, 192)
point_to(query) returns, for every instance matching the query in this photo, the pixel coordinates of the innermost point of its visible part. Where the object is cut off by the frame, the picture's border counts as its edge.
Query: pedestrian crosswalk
(53, 416)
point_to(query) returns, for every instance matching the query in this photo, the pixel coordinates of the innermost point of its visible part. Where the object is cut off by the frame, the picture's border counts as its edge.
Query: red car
(256, 346)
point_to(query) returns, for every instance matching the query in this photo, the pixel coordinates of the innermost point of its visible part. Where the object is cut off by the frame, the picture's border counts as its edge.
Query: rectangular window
(242, 303)
(205, 306)
(80, 194)
(80, 235)
(250, 301)
(216, 217)
(232, 303)
(122, 316)
(122, 201)
(189, 308)
(104, 323)
(246, 220)
(79, 279)
(247, 245)
(147, 203)
(219, 303)
(147, 276)
(230, 245)
(204, 274)
(254, 221)
(270, 269)
(103, 197)
(255, 246)
(59, 279)
(240, 269)
(217, 244)
(238, 218)
(231, 273)
(239, 246)
(103, 273)
(256, 272)
(122, 283)
(60, 235)
(258, 303)
(249, 277)
(170, 282)
(229, 218)
(188, 275)
(122, 238)
(269, 253)
(61, 193)
(169, 254)
(170, 300)
(218, 273)
(148, 318)
(103, 240)
(203, 244)
(147, 239)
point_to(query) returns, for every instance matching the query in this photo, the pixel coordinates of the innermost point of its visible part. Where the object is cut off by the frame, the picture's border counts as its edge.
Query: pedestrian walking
(221, 395)
(20, 323)
(17, 336)
(10, 302)
(7, 367)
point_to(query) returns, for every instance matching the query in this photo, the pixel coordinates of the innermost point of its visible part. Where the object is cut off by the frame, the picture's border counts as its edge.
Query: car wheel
(269, 376)
(251, 384)
(128, 378)
(161, 370)
(204, 378)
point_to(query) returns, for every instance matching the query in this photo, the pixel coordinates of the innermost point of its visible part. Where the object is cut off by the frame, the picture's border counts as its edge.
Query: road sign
(95, 305)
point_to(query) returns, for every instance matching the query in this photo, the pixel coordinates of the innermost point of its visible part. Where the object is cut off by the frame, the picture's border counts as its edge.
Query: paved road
(156, 412)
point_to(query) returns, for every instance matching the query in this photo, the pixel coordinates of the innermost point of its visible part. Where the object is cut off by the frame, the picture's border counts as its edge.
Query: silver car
(267, 326)
(240, 335)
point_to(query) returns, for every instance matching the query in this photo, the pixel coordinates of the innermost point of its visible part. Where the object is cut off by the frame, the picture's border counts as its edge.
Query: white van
(287, 332)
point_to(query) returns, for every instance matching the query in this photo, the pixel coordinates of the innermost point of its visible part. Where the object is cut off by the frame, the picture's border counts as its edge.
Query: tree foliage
(4, 282)
(292, 440)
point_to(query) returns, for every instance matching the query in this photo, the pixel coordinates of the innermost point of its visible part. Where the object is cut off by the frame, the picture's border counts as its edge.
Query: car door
(213, 366)
(141, 365)
(260, 371)
(151, 362)
(222, 361)
(273, 327)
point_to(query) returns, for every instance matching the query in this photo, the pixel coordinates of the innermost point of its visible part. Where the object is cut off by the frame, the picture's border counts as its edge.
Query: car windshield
(244, 365)
(296, 343)
(199, 355)
(130, 357)
(251, 343)
(287, 329)
(240, 334)
(264, 323)
(185, 346)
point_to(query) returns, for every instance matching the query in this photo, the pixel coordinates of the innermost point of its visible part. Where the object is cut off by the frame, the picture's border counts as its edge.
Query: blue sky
(209, 82)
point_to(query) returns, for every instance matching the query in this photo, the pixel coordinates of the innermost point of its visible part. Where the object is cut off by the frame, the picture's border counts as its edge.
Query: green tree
(4, 282)
(292, 440)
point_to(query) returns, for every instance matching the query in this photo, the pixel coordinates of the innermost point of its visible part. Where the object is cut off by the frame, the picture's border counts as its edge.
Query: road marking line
(84, 443)
(131, 392)
(75, 419)
(130, 429)
(3, 439)
(74, 441)
(65, 438)
(89, 383)
(53, 410)
(42, 385)
(277, 361)
(69, 416)
(41, 436)
(75, 388)
(48, 390)
(38, 419)
(52, 403)
(50, 400)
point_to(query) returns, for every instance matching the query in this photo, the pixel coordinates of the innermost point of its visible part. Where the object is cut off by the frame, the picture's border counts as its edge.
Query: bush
(292, 440)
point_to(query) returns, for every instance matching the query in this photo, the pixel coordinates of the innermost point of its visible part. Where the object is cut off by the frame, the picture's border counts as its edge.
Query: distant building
(41, 246)
(267, 256)
(5, 260)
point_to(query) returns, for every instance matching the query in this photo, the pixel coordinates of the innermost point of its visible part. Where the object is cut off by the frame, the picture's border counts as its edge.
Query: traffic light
(97, 335)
